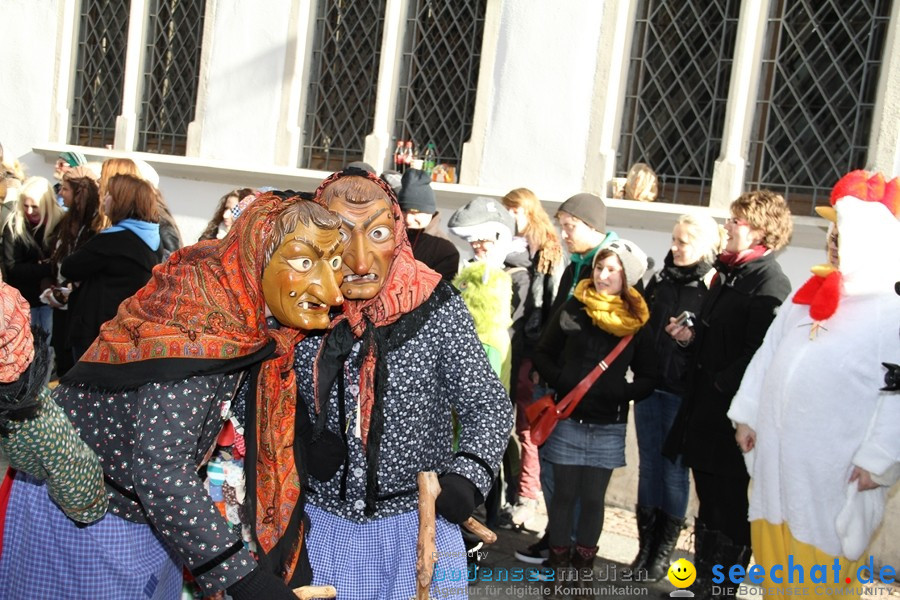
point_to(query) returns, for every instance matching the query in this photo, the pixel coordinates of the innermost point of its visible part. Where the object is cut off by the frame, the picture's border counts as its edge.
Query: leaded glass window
(439, 75)
(816, 96)
(100, 73)
(340, 105)
(677, 90)
(171, 74)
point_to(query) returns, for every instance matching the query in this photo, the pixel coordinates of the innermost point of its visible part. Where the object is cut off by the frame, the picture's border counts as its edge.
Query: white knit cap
(634, 261)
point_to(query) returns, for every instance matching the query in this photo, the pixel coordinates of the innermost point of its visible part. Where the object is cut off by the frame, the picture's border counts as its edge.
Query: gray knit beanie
(416, 193)
(588, 208)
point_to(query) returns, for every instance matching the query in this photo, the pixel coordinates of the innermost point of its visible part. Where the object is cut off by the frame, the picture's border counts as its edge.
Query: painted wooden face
(368, 231)
(303, 277)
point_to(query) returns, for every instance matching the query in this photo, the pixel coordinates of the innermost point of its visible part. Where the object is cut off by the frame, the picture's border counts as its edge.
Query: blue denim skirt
(586, 445)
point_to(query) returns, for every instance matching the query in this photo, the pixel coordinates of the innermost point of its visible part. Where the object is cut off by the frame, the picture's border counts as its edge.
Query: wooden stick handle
(426, 546)
(307, 592)
(478, 528)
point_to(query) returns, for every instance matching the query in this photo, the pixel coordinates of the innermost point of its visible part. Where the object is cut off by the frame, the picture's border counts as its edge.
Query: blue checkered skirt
(378, 559)
(45, 555)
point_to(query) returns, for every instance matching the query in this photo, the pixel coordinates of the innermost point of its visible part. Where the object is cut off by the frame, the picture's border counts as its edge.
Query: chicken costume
(811, 394)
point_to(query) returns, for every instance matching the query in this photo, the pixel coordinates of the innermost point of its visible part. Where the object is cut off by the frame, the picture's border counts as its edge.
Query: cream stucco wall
(244, 75)
(540, 124)
(28, 47)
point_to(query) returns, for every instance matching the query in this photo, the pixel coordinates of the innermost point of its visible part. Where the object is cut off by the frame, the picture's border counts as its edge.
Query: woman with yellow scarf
(585, 448)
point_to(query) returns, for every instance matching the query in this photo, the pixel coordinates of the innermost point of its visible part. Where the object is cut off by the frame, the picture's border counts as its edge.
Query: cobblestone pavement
(618, 546)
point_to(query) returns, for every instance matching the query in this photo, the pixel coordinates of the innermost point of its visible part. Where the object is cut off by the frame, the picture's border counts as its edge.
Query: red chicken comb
(866, 186)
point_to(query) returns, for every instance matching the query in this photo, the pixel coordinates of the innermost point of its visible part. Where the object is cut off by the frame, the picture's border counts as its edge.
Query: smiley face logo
(682, 573)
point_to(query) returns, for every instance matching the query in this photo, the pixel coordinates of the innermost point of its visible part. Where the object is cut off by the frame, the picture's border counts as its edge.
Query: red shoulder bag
(544, 413)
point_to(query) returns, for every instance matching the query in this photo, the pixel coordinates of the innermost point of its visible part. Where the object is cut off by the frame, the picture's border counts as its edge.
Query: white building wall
(541, 81)
(240, 118)
(28, 47)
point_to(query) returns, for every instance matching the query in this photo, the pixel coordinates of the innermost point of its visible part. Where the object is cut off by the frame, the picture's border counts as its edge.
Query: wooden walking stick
(426, 546)
(481, 530)
(307, 592)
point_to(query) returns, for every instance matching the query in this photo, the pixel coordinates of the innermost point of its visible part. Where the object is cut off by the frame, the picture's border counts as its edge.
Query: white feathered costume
(811, 394)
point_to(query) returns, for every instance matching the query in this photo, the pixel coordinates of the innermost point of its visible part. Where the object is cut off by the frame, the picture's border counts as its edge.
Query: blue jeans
(42, 316)
(661, 483)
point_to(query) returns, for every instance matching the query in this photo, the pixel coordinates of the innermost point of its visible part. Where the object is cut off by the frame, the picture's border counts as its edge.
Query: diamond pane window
(171, 73)
(816, 95)
(100, 72)
(677, 89)
(340, 106)
(439, 75)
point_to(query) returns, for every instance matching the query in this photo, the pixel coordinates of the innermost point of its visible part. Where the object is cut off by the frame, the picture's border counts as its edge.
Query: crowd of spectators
(675, 341)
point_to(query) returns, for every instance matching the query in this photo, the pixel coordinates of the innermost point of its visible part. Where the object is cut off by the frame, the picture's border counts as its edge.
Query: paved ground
(618, 546)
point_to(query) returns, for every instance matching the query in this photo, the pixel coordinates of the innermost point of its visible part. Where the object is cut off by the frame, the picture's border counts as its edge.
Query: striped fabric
(45, 555)
(377, 559)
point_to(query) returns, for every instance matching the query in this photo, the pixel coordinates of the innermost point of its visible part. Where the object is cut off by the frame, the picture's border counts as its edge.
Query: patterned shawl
(203, 312)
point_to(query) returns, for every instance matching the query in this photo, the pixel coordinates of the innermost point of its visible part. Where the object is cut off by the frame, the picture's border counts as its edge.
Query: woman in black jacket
(585, 448)
(742, 301)
(82, 221)
(26, 256)
(117, 262)
(664, 484)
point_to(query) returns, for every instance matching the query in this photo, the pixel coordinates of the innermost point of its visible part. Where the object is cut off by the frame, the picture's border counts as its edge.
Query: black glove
(458, 498)
(260, 584)
(891, 378)
(325, 455)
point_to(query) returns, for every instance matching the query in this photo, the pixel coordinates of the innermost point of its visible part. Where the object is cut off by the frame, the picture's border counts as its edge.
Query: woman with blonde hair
(641, 183)
(744, 296)
(26, 257)
(117, 262)
(544, 263)
(679, 287)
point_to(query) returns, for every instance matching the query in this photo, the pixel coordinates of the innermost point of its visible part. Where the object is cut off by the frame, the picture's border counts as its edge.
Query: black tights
(573, 483)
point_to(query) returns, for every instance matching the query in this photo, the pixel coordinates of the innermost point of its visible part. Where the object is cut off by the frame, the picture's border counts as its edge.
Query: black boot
(705, 542)
(646, 524)
(727, 553)
(667, 530)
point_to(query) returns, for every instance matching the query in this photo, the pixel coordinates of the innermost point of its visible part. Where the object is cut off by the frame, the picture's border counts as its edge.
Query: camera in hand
(59, 295)
(685, 319)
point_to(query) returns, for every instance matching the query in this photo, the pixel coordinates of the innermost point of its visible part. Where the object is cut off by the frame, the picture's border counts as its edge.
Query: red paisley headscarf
(203, 312)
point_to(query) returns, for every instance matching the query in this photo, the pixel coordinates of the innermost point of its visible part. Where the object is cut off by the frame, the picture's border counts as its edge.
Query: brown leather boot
(583, 564)
(560, 561)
